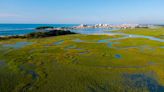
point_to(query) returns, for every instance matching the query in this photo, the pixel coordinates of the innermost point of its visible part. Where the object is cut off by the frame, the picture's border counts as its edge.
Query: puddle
(78, 40)
(128, 47)
(48, 45)
(70, 47)
(125, 36)
(2, 63)
(110, 44)
(118, 56)
(29, 71)
(59, 42)
(78, 48)
(148, 64)
(103, 41)
(141, 48)
(33, 73)
(162, 47)
(17, 45)
(141, 81)
(147, 37)
(110, 67)
(111, 39)
(81, 53)
(151, 63)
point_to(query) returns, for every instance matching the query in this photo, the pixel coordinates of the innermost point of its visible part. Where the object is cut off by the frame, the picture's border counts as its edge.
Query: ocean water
(21, 29)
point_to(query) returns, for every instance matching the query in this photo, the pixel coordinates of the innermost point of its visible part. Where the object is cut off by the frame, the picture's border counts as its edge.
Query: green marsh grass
(88, 67)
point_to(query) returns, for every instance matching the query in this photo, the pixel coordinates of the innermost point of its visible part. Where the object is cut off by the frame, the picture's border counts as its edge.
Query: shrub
(48, 34)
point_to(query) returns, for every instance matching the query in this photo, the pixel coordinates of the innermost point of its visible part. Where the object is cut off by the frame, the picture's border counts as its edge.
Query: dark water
(59, 42)
(28, 69)
(118, 56)
(2, 63)
(143, 81)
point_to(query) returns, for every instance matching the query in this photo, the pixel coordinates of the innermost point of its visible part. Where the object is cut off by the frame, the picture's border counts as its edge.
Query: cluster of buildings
(108, 26)
(121, 26)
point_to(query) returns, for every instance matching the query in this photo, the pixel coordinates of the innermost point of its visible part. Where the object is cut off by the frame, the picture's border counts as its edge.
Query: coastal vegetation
(44, 27)
(82, 63)
(40, 34)
(156, 32)
(48, 34)
(45, 47)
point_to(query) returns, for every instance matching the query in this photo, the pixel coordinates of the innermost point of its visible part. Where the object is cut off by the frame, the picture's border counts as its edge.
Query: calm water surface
(21, 29)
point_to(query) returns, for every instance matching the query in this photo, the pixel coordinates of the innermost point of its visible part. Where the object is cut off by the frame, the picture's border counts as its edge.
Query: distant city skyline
(82, 11)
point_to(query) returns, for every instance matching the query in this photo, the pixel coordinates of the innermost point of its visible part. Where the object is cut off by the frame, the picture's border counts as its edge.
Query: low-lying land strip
(157, 32)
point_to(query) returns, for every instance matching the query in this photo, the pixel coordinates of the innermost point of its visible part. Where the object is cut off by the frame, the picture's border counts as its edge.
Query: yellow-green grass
(87, 67)
(157, 32)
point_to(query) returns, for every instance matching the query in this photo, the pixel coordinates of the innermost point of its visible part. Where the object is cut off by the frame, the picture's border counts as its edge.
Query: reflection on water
(2, 63)
(85, 52)
(34, 74)
(110, 44)
(151, 63)
(70, 47)
(141, 48)
(17, 45)
(59, 42)
(118, 56)
(142, 81)
(162, 46)
(125, 36)
(28, 70)
(78, 40)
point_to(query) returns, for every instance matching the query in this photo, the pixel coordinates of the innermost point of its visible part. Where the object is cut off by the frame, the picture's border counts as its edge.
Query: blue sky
(82, 11)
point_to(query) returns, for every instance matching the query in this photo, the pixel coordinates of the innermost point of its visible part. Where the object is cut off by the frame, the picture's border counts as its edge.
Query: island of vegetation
(41, 34)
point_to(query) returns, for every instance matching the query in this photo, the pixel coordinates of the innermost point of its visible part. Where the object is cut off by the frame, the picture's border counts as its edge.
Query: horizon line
(87, 23)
